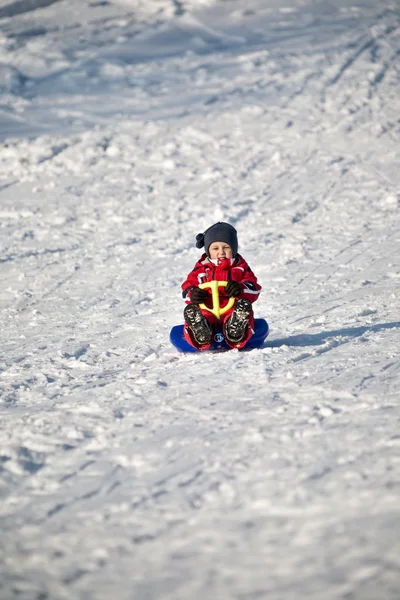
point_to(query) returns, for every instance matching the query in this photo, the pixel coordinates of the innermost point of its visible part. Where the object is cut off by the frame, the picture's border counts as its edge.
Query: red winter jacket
(239, 270)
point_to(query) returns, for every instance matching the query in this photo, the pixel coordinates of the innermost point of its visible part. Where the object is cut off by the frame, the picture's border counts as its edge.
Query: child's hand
(233, 289)
(198, 296)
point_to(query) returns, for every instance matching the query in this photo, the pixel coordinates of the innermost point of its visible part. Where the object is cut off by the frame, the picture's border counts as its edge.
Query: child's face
(219, 250)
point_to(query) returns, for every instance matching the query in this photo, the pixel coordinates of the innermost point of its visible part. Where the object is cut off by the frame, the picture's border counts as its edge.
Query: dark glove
(233, 289)
(197, 295)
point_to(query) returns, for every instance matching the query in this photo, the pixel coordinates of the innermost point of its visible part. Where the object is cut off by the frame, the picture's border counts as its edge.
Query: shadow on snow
(317, 339)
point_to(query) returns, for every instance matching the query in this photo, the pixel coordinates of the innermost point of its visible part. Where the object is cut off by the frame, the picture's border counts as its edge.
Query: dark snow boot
(197, 324)
(237, 323)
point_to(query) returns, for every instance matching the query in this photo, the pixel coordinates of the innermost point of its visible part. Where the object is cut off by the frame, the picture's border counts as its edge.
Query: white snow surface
(131, 471)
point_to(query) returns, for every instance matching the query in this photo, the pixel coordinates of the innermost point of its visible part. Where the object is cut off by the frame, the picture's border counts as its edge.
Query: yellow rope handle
(216, 309)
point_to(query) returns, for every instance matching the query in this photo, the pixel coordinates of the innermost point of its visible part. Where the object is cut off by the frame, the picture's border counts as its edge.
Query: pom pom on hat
(199, 240)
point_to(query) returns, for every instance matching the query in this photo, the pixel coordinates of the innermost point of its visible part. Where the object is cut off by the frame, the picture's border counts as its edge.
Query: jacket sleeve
(250, 285)
(190, 282)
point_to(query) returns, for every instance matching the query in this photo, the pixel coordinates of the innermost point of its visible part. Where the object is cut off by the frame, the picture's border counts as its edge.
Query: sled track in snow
(377, 43)
(22, 6)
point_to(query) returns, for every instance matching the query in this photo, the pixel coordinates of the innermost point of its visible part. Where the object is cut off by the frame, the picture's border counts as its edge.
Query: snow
(131, 471)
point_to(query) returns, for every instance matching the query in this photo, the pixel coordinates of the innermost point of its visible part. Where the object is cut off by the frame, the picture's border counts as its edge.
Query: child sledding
(219, 293)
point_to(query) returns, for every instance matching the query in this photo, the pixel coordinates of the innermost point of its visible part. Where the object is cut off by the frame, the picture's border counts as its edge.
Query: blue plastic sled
(261, 331)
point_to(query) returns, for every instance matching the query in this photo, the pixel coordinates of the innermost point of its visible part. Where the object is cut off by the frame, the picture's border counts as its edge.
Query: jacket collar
(204, 260)
(216, 263)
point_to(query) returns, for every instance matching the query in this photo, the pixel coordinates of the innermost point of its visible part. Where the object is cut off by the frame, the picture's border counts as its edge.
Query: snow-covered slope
(129, 471)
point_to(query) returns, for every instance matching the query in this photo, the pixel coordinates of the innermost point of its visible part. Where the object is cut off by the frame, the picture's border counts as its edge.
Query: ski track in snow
(126, 469)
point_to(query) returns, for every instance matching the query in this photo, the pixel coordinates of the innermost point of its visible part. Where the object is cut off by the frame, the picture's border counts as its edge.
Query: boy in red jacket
(220, 262)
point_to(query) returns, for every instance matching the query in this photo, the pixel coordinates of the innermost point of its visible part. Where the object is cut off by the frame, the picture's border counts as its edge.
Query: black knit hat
(220, 232)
